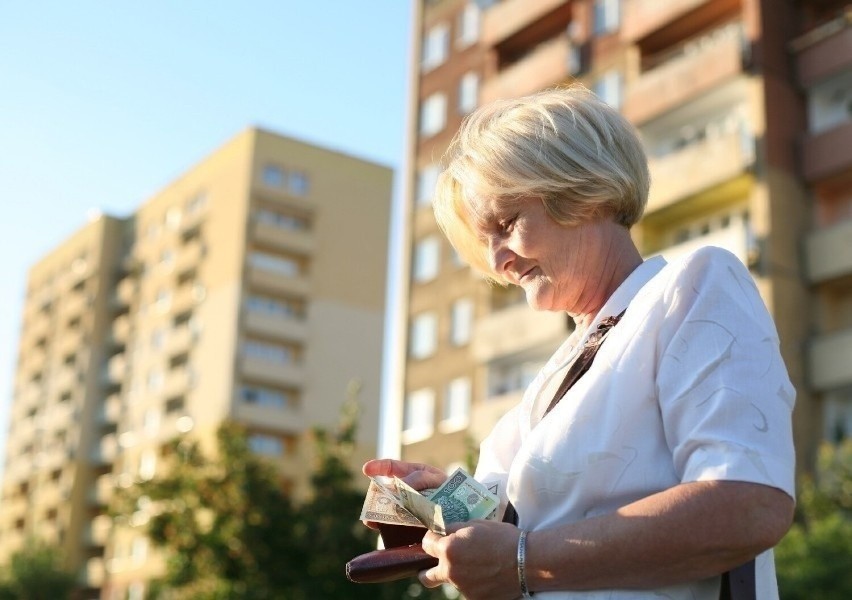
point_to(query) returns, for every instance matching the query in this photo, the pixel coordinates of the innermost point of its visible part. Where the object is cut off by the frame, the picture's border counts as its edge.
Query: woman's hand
(478, 557)
(418, 475)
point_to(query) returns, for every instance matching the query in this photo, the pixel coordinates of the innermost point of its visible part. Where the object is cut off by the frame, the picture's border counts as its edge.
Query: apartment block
(742, 106)
(251, 289)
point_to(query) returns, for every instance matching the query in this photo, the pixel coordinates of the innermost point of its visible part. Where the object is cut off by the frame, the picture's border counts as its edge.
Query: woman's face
(558, 266)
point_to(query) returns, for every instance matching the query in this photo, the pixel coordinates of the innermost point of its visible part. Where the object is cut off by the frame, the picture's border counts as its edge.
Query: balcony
(640, 18)
(276, 326)
(75, 304)
(178, 382)
(108, 448)
(67, 379)
(98, 530)
(116, 369)
(829, 363)
(103, 489)
(291, 240)
(734, 238)
(276, 373)
(280, 419)
(828, 252)
(485, 414)
(120, 330)
(277, 283)
(824, 52)
(828, 153)
(185, 298)
(697, 167)
(515, 329)
(189, 258)
(111, 410)
(702, 66)
(70, 341)
(180, 341)
(549, 64)
(509, 17)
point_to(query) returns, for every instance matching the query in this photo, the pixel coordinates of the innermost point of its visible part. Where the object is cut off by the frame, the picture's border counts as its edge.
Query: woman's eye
(507, 224)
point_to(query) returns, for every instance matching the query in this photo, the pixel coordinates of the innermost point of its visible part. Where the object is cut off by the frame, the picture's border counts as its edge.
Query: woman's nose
(499, 254)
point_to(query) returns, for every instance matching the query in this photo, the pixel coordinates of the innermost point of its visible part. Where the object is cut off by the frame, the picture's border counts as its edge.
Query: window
(155, 380)
(433, 114)
(427, 179)
(435, 46)
(278, 264)
(298, 184)
(268, 352)
(268, 445)
(424, 335)
(418, 416)
(427, 254)
(461, 321)
(468, 93)
(265, 397)
(163, 300)
(607, 16)
(274, 176)
(173, 217)
(468, 26)
(608, 88)
(456, 404)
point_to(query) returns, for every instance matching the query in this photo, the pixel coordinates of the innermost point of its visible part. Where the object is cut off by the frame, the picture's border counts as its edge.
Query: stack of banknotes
(460, 498)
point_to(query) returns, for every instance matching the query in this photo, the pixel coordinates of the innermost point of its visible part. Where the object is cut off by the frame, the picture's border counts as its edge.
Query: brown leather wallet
(390, 564)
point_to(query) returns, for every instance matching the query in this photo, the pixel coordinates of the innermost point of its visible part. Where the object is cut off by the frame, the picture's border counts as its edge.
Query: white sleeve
(496, 454)
(723, 389)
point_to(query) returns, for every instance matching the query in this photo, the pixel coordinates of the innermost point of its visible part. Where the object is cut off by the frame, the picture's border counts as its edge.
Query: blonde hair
(564, 146)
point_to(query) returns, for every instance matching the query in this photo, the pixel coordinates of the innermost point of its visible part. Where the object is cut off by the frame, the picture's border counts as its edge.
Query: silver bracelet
(522, 560)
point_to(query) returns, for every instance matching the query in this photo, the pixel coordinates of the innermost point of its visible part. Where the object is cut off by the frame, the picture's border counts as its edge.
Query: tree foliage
(229, 531)
(814, 560)
(36, 573)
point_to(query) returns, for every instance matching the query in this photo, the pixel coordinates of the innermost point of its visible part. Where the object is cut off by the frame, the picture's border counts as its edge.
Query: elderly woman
(669, 459)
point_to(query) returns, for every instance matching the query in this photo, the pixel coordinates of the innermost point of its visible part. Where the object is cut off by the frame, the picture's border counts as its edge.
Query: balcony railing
(829, 364)
(699, 166)
(703, 65)
(292, 240)
(284, 374)
(266, 279)
(828, 153)
(275, 326)
(511, 16)
(515, 329)
(734, 238)
(281, 419)
(549, 64)
(828, 252)
(642, 17)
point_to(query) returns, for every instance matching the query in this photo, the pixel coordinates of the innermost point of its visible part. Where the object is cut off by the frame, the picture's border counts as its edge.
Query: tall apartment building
(250, 289)
(744, 110)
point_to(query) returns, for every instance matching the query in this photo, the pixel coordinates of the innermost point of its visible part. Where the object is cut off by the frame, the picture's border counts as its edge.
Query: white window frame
(468, 93)
(457, 401)
(436, 47)
(418, 415)
(427, 259)
(427, 180)
(433, 114)
(606, 16)
(461, 322)
(468, 25)
(424, 335)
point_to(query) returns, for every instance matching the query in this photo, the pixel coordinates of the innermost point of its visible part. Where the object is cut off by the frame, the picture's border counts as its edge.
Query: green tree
(814, 560)
(225, 523)
(36, 573)
(230, 532)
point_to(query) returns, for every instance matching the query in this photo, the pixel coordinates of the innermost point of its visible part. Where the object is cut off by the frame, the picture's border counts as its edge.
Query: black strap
(738, 583)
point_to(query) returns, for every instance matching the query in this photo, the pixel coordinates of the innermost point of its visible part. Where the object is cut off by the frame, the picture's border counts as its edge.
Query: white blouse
(689, 386)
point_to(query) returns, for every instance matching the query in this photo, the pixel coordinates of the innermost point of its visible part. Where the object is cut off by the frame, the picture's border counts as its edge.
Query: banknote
(383, 506)
(460, 498)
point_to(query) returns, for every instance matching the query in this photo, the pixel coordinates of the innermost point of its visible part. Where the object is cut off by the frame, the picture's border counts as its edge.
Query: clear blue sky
(103, 104)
